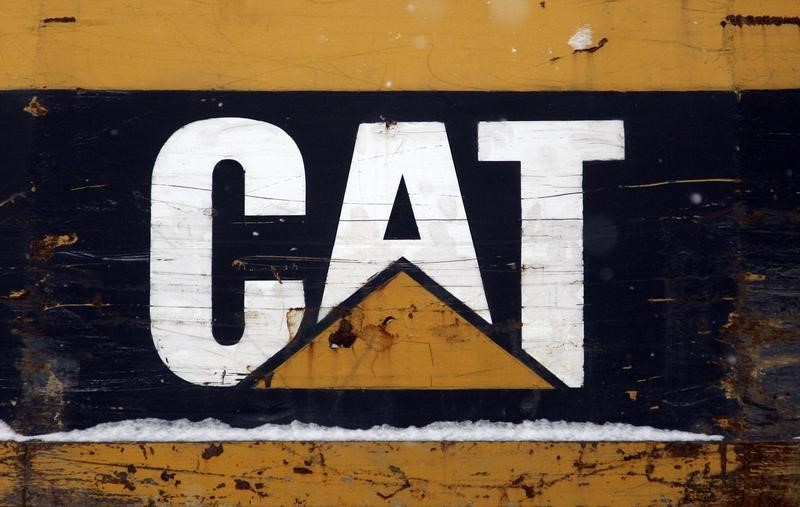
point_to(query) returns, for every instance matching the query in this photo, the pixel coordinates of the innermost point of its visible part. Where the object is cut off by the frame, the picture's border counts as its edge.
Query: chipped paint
(581, 40)
(410, 473)
(43, 249)
(35, 108)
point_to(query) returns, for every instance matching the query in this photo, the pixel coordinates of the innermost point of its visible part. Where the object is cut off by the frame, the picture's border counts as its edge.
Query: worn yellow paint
(401, 336)
(368, 473)
(11, 473)
(394, 45)
(399, 473)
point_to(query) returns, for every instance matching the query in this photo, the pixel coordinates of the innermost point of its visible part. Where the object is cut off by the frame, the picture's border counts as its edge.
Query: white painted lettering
(180, 246)
(419, 153)
(551, 156)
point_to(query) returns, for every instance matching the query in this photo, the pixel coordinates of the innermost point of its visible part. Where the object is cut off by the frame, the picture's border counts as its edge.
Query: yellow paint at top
(395, 45)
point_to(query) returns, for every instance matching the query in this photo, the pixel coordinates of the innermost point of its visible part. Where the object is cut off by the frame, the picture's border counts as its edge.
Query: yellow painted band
(397, 45)
(398, 473)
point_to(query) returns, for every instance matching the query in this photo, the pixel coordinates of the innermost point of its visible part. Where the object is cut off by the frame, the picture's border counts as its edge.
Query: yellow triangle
(401, 336)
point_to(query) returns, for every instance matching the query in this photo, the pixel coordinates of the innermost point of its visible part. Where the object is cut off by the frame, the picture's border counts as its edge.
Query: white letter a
(418, 153)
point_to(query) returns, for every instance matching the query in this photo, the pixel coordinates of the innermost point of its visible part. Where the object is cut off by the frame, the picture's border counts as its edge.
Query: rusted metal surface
(417, 473)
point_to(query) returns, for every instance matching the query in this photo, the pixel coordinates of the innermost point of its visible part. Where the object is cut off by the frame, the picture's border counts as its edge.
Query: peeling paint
(35, 108)
(581, 39)
(43, 249)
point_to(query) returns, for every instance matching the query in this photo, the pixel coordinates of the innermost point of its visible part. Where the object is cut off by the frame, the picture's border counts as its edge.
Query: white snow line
(183, 430)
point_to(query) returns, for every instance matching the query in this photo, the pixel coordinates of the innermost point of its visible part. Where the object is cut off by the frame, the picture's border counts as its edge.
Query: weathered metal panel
(410, 473)
(658, 269)
(684, 282)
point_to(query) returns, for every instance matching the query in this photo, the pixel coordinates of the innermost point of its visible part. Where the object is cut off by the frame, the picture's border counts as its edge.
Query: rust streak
(212, 451)
(740, 21)
(602, 42)
(61, 19)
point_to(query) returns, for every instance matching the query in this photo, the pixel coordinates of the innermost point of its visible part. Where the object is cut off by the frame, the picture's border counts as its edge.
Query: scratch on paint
(679, 182)
(88, 187)
(12, 198)
(97, 302)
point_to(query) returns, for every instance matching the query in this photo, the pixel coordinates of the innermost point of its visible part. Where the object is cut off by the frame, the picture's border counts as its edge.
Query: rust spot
(118, 478)
(344, 336)
(753, 277)
(518, 483)
(632, 395)
(302, 470)
(44, 249)
(602, 42)
(683, 450)
(740, 21)
(212, 451)
(239, 264)
(62, 19)
(390, 124)
(35, 108)
(378, 337)
(17, 294)
(241, 484)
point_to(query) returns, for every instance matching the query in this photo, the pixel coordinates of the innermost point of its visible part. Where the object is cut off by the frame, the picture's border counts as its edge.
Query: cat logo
(408, 333)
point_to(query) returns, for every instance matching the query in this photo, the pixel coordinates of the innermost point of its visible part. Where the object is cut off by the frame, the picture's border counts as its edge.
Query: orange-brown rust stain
(402, 473)
(760, 344)
(402, 336)
(35, 108)
(43, 249)
(12, 472)
(370, 473)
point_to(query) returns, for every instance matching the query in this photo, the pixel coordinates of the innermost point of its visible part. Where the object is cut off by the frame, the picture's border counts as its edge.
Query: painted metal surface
(670, 260)
(416, 473)
(592, 274)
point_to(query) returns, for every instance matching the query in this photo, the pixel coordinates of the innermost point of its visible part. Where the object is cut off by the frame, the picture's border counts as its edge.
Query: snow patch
(582, 39)
(183, 430)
